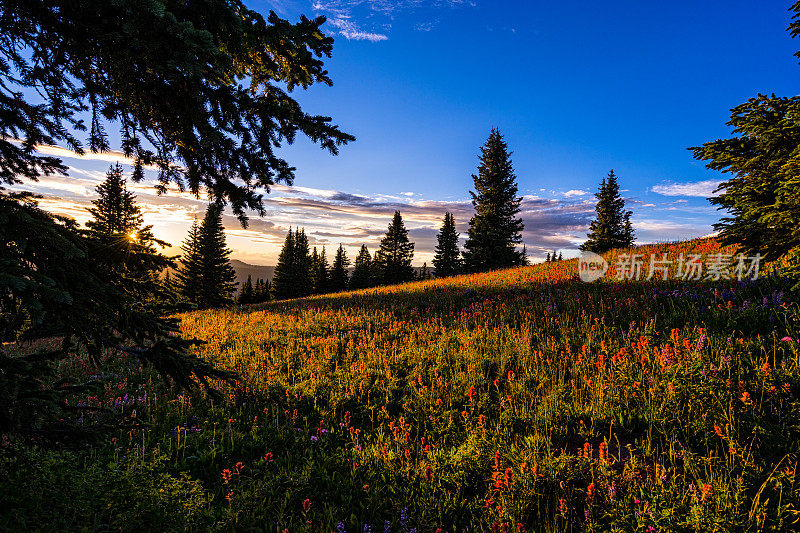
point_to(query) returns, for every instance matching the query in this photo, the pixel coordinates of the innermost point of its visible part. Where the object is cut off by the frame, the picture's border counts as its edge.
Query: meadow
(517, 400)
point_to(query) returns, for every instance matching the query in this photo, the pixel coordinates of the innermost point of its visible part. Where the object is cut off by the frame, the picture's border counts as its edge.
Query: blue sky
(577, 88)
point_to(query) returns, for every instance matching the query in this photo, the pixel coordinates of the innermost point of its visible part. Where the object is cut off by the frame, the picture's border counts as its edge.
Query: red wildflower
(602, 451)
(562, 506)
(509, 477)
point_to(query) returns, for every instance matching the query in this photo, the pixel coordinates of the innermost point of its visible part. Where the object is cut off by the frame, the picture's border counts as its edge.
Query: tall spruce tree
(339, 275)
(495, 229)
(393, 259)
(321, 273)
(284, 282)
(612, 227)
(761, 195)
(314, 266)
(304, 275)
(115, 211)
(447, 260)
(294, 274)
(188, 277)
(117, 224)
(218, 278)
(363, 271)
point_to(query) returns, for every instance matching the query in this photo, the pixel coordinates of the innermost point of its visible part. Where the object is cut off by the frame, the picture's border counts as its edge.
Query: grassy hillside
(519, 400)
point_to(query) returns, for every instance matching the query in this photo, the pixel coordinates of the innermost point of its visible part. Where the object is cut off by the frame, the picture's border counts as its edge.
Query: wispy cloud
(556, 219)
(575, 192)
(701, 189)
(348, 29)
(371, 20)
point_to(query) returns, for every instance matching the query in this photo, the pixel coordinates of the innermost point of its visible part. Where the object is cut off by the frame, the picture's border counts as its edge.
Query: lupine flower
(701, 342)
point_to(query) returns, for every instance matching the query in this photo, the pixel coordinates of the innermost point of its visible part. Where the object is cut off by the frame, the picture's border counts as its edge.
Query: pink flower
(786, 339)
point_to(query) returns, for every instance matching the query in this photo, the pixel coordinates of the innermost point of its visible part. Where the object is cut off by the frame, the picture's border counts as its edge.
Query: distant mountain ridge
(254, 271)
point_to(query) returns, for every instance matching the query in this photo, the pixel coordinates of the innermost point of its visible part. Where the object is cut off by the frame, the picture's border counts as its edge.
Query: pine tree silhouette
(393, 259)
(495, 229)
(218, 278)
(363, 271)
(339, 275)
(447, 261)
(612, 227)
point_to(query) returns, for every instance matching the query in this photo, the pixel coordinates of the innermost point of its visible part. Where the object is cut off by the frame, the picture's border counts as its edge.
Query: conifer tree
(561, 256)
(284, 282)
(169, 74)
(117, 225)
(447, 261)
(612, 227)
(393, 259)
(304, 276)
(495, 229)
(218, 278)
(188, 277)
(261, 291)
(247, 294)
(362, 277)
(525, 259)
(339, 275)
(115, 211)
(554, 257)
(321, 274)
(314, 266)
(547, 260)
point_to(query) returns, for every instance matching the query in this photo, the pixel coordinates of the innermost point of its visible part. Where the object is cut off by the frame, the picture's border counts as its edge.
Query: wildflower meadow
(516, 400)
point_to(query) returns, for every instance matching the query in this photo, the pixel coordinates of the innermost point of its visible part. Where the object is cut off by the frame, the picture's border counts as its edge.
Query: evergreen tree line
(206, 278)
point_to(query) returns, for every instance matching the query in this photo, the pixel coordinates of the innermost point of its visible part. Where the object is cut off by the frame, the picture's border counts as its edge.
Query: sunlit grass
(514, 400)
